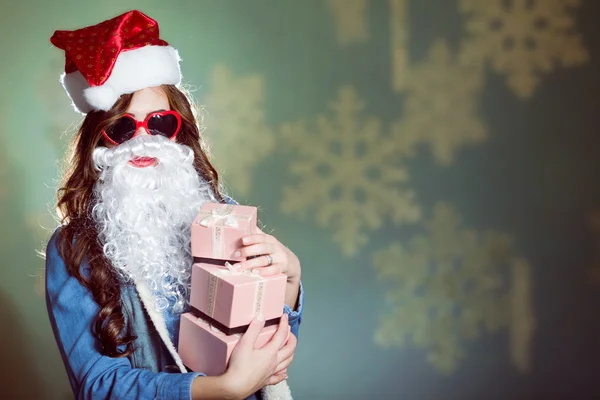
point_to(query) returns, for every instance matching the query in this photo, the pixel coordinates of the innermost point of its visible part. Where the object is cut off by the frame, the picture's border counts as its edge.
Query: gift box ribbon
(214, 328)
(217, 219)
(230, 271)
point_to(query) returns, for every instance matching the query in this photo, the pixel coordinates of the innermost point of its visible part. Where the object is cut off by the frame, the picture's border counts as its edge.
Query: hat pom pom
(101, 97)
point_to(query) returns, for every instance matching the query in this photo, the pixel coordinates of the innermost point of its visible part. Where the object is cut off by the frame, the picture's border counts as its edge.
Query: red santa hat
(118, 56)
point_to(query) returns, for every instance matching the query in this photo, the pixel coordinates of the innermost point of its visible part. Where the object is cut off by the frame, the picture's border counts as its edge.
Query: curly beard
(144, 215)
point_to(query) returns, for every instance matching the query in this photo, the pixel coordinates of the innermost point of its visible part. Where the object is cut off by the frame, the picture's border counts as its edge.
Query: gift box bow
(222, 216)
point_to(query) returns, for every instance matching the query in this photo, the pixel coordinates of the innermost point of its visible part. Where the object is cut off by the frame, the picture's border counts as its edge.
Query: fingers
(248, 339)
(259, 262)
(283, 366)
(258, 238)
(287, 351)
(281, 334)
(257, 249)
(268, 271)
(275, 379)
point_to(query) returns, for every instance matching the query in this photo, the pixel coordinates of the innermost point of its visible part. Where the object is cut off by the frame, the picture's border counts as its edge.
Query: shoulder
(52, 248)
(56, 268)
(55, 265)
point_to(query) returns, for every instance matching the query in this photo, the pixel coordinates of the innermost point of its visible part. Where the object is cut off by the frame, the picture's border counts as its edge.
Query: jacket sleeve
(295, 316)
(72, 311)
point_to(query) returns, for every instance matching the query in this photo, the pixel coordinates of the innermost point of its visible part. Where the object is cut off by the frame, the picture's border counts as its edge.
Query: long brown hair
(78, 239)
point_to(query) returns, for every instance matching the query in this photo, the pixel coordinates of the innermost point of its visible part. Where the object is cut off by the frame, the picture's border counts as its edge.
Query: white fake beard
(144, 215)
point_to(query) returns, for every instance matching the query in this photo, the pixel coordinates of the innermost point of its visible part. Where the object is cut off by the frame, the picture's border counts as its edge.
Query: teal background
(532, 178)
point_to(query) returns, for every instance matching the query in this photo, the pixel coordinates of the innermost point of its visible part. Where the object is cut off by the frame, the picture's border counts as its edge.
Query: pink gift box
(232, 297)
(205, 349)
(218, 228)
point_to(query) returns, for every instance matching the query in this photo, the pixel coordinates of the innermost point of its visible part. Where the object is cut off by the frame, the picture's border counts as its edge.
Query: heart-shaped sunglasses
(163, 123)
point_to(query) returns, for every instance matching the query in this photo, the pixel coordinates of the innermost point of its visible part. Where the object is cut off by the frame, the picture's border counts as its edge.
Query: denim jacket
(153, 371)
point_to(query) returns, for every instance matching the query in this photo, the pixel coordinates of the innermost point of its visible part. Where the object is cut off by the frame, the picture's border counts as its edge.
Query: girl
(118, 267)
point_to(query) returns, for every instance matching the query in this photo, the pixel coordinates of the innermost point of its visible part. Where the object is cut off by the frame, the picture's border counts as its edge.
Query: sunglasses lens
(122, 130)
(163, 125)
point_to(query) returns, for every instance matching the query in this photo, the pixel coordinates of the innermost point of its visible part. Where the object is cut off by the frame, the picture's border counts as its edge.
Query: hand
(251, 369)
(281, 369)
(282, 260)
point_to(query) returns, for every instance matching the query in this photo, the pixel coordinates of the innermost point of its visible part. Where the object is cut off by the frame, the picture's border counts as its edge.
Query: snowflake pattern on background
(445, 288)
(349, 176)
(236, 130)
(522, 39)
(350, 18)
(441, 105)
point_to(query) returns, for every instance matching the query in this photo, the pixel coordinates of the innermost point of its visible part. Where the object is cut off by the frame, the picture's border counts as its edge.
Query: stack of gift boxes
(225, 299)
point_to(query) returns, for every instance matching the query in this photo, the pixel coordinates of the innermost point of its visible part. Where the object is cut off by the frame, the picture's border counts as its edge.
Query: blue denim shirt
(147, 374)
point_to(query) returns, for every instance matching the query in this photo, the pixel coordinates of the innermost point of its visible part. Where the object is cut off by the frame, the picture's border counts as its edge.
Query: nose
(142, 131)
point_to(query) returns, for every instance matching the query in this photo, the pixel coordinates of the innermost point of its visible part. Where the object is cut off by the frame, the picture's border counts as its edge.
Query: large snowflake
(236, 127)
(348, 175)
(350, 18)
(441, 105)
(445, 287)
(522, 39)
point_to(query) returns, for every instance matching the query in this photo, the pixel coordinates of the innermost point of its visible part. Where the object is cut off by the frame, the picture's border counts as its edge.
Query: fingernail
(236, 265)
(237, 254)
(260, 317)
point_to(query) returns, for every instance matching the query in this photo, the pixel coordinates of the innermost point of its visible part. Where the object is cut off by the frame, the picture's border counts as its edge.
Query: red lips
(142, 162)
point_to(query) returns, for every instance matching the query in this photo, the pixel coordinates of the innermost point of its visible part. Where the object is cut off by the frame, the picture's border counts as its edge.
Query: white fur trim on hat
(134, 70)
(74, 84)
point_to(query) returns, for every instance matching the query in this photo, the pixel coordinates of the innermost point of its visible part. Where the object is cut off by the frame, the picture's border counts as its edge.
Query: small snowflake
(236, 127)
(350, 18)
(522, 39)
(441, 105)
(348, 173)
(444, 287)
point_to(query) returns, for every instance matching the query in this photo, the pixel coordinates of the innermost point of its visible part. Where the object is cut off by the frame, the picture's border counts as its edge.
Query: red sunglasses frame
(144, 124)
